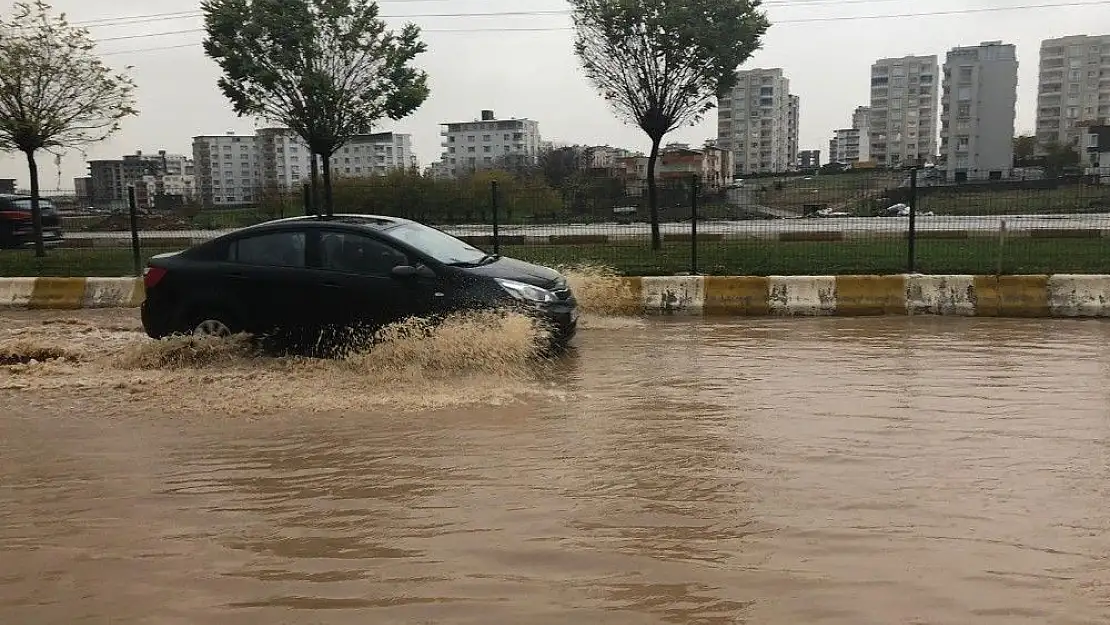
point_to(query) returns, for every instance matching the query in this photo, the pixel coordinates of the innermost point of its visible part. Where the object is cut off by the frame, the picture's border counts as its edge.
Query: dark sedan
(16, 226)
(302, 276)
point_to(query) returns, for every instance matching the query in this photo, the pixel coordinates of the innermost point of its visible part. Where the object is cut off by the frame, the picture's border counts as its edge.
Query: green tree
(55, 93)
(326, 69)
(1025, 150)
(1059, 157)
(660, 63)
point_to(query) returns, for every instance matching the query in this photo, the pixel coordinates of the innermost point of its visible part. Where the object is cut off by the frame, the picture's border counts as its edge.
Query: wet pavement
(847, 471)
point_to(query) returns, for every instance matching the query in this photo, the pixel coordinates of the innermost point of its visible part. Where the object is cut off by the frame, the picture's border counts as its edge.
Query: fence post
(308, 208)
(133, 213)
(496, 226)
(694, 226)
(911, 264)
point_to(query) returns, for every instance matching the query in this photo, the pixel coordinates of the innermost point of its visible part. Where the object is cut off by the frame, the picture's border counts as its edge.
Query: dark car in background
(16, 226)
(298, 277)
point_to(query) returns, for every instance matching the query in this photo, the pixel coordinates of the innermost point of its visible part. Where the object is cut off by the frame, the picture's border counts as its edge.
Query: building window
(470, 138)
(470, 149)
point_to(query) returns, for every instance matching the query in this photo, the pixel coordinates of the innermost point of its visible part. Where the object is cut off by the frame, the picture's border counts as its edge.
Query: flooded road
(833, 471)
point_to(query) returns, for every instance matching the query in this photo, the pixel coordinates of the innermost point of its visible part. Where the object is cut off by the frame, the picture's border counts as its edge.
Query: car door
(357, 284)
(267, 280)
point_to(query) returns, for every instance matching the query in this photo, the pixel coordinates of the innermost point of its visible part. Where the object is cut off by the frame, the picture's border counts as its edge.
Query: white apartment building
(758, 122)
(904, 110)
(793, 129)
(228, 169)
(489, 143)
(236, 170)
(850, 146)
(978, 107)
(1074, 87)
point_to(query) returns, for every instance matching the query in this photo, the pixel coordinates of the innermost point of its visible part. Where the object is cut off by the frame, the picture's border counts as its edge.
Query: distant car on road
(302, 276)
(16, 227)
(903, 210)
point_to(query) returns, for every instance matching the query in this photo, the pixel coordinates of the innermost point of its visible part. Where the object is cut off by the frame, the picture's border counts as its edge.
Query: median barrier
(1039, 296)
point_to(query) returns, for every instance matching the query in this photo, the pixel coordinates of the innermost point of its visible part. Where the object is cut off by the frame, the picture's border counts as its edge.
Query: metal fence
(869, 222)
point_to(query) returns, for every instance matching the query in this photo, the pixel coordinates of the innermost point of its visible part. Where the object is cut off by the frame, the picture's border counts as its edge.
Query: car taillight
(152, 276)
(15, 215)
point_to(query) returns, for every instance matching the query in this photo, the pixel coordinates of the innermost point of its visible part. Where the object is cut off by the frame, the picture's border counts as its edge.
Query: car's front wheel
(211, 324)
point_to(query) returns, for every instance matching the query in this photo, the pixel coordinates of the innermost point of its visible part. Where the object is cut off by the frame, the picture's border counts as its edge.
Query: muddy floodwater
(831, 471)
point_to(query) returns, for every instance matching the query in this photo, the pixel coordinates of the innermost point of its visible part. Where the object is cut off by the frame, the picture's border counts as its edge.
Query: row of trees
(331, 69)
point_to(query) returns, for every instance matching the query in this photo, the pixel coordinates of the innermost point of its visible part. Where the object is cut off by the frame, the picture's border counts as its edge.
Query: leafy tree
(660, 63)
(1025, 149)
(1059, 157)
(326, 69)
(54, 91)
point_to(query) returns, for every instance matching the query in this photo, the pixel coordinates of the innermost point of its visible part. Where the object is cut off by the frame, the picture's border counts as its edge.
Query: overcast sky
(534, 74)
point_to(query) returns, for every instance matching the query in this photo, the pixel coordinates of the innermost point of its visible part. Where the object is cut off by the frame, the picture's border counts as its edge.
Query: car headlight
(526, 292)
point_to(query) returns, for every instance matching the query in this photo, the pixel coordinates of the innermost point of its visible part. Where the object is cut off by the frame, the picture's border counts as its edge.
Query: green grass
(974, 256)
(75, 262)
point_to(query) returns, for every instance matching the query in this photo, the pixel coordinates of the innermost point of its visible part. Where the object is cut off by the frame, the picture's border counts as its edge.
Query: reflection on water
(777, 471)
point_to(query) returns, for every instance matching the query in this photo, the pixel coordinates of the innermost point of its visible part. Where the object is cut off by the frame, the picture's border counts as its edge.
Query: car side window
(276, 249)
(354, 253)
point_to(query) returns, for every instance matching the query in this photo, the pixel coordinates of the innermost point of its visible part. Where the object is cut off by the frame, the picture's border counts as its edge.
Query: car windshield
(25, 204)
(439, 245)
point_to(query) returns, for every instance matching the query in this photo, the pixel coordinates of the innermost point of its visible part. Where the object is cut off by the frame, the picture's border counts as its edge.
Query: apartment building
(237, 170)
(228, 169)
(488, 143)
(758, 122)
(904, 110)
(1073, 89)
(793, 129)
(851, 146)
(108, 180)
(809, 159)
(978, 106)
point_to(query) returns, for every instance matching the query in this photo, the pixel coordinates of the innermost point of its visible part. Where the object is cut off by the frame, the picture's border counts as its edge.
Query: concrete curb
(854, 296)
(737, 296)
(70, 293)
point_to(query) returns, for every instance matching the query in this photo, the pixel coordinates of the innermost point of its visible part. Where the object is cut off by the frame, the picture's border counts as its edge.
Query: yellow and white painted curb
(853, 296)
(737, 296)
(70, 293)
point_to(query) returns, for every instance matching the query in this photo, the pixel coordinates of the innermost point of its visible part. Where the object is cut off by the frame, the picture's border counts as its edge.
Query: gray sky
(534, 74)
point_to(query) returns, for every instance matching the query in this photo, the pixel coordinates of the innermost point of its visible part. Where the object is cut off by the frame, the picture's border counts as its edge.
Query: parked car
(304, 276)
(16, 228)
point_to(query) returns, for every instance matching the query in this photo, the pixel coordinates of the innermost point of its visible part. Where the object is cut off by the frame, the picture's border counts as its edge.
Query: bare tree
(326, 69)
(661, 63)
(55, 92)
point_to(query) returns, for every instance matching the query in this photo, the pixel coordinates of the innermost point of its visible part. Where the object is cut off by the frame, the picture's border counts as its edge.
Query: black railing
(864, 222)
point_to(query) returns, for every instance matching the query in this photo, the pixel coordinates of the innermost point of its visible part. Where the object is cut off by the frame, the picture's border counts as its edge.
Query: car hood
(513, 269)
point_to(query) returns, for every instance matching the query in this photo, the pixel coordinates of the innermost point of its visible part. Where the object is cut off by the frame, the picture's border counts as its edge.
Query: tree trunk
(314, 182)
(653, 194)
(36, 208)
(329, 200)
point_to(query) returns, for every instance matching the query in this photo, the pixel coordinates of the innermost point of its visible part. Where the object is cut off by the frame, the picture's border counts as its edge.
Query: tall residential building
(1074, 87)
(109, 179)
(489, 143)
(755, 121)
(793, 129)
(978, 107)
(904, 110)
(850, 146)
(228, 169)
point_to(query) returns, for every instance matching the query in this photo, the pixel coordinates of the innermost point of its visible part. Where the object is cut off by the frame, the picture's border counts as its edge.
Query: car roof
(373, 222)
